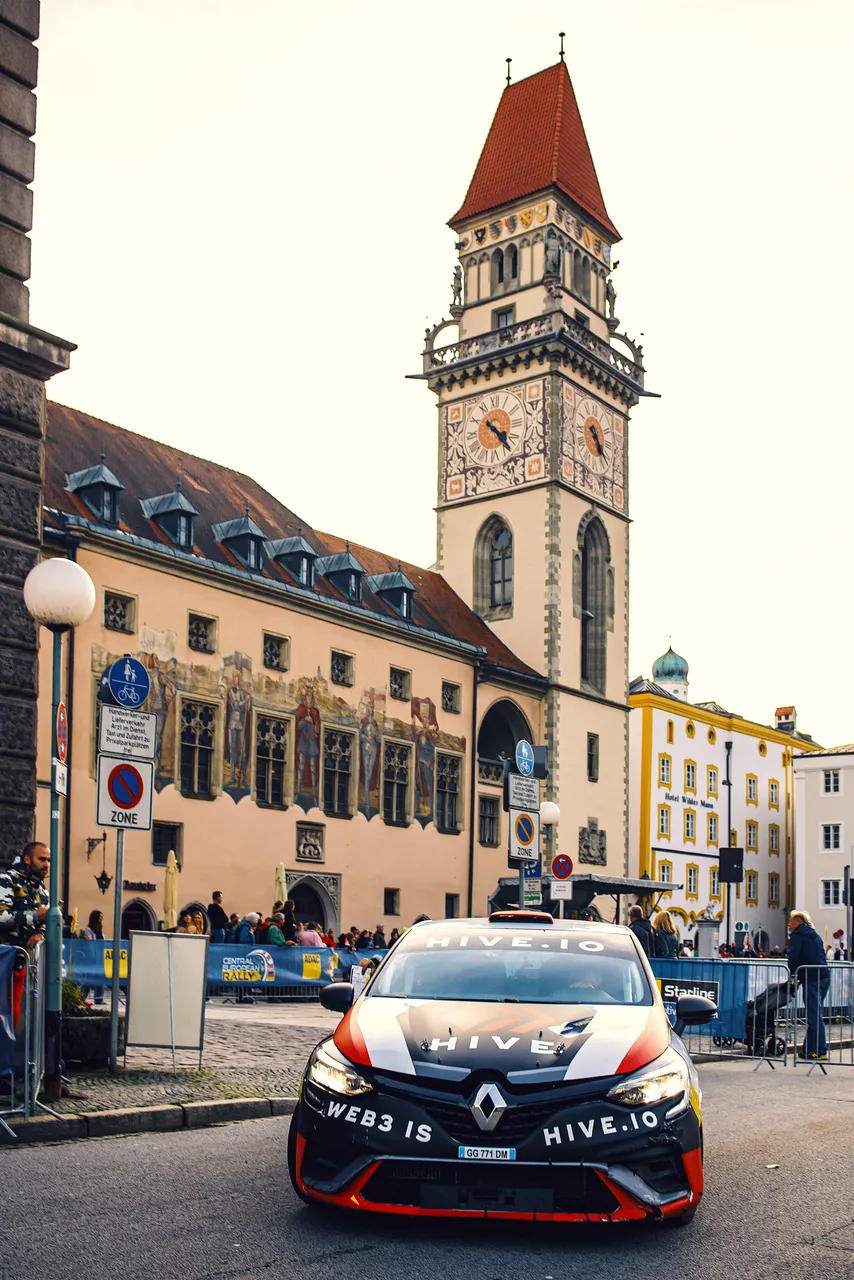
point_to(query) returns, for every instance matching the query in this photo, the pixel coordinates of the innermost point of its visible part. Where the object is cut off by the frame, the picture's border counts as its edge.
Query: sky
(240, 218)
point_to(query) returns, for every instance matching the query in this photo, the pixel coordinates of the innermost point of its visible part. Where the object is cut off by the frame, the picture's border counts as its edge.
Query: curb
(127, 1120)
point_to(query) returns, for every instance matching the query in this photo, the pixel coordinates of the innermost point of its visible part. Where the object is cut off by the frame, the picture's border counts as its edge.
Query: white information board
(166, 991)
(129, 734)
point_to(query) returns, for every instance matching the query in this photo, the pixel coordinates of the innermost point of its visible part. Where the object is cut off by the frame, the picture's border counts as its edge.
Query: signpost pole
(53, 922)
(117, 951)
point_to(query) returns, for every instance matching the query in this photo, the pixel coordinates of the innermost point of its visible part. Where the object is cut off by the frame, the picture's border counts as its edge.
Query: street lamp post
(60, 595)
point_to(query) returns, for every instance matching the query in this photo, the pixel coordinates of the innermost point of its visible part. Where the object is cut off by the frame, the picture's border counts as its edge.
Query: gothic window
(451, 697)
(276, 652)
(119, 612)
(501, 568)
(271, 760)
(585, 279)
(399, 682)
(595, 554)
(493, 569)
(593, 757)
(337, 772)
(496, 268)
(511, 263)
(577, 272)
(201, 633)
(397, 766)
(198, 739)
(341, 668)
(447, 792)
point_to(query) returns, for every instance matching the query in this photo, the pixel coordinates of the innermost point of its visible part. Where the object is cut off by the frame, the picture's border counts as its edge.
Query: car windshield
(534, 966)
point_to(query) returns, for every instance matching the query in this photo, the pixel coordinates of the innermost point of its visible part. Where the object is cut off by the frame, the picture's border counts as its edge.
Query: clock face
(494, 429)
(593, 436)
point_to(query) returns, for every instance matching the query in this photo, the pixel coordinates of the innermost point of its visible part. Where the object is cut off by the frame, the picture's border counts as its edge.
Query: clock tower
(534, 401)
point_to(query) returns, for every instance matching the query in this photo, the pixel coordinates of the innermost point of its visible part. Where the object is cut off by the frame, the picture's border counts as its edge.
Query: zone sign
(124, 793)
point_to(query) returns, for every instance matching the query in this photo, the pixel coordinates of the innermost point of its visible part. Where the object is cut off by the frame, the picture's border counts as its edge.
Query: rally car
(514, 1067)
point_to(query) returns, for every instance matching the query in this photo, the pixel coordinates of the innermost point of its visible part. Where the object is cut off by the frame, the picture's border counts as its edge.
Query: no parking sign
(124, 793)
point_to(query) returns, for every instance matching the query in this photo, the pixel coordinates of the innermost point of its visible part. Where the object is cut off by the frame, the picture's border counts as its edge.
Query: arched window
(585, 279)
(497, 270)
(493, 569)
(511, 264)
(595, 554)
(577, 273)
(501, 568)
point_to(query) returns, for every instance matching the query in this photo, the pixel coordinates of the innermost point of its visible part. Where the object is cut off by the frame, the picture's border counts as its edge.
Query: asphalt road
(216, 1204)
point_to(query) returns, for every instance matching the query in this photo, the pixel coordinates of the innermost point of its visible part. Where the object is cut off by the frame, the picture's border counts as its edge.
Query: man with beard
(24, 898)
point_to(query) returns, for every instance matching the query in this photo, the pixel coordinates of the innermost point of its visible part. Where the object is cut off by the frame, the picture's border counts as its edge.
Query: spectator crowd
(280, 928)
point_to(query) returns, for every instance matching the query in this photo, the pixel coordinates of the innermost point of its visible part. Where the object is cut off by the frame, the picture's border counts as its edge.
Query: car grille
(516, 1124)
(508, 1188)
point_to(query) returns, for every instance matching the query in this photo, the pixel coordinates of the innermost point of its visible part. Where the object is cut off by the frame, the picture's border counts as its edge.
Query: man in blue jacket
(808, 966)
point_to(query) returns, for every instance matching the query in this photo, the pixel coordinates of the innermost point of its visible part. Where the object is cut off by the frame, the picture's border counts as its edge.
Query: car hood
(526, 1043)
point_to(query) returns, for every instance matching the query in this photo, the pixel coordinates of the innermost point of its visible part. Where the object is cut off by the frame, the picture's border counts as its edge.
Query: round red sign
(61, 732)
(561, 866)
(125, 786)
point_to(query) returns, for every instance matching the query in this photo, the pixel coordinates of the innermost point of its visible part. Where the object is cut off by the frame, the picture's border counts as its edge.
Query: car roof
(481, 922)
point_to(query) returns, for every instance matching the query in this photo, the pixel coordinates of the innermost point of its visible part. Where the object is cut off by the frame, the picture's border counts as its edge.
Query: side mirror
(691, 1011)
(338, 996)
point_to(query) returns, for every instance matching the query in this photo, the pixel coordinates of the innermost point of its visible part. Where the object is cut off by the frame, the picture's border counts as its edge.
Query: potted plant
(86, 1030)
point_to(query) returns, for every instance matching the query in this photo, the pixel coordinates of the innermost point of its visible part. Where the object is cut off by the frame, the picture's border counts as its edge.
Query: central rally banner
(230, 964)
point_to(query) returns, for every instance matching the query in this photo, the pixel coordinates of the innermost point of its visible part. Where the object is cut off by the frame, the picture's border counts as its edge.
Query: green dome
(670, 667)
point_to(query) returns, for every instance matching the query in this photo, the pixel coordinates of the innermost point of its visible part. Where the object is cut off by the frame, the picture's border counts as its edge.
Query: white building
(824, 834)
(682, 813)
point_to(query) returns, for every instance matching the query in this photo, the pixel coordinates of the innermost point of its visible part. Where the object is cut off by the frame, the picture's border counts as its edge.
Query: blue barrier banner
(7, 1020)
(724, 981)
(230, 964)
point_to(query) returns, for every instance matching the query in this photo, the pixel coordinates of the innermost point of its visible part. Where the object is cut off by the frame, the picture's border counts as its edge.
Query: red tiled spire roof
(536, 141)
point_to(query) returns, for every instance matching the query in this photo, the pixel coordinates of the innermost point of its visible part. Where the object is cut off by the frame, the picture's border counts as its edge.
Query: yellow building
(320, 704)
(682, 755)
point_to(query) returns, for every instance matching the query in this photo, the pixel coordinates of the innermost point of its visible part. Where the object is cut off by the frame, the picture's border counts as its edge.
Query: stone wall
(27, 358)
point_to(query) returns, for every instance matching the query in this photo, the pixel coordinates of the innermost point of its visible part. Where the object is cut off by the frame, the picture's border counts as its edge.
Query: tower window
(594, 606)
(593, 757)
(511, 262)
(504, 318)
(501, 568)
(496, 270)
(493, 569)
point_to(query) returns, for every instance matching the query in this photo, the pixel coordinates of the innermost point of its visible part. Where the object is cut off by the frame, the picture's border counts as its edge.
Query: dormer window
(345, 573)
(396, 591)
(174, 514)
(243, 539)
(99, 489)
(296, 555)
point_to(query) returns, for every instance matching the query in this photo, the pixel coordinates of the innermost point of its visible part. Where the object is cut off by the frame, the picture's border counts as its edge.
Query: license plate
(487, 1153)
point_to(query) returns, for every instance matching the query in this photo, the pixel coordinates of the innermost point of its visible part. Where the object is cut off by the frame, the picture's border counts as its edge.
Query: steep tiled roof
(147, 467)
(536, 141)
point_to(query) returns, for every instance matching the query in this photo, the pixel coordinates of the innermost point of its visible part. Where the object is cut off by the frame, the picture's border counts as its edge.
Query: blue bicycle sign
(129, 683)
(525, 758)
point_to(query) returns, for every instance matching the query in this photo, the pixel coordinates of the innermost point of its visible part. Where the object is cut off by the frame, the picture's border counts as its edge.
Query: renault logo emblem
(487, 1106)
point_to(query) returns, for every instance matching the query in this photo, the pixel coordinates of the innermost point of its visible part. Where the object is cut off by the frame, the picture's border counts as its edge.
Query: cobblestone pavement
(250, 1051)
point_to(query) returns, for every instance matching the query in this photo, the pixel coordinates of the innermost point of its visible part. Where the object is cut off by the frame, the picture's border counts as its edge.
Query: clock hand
(598, 442)
(496, 431)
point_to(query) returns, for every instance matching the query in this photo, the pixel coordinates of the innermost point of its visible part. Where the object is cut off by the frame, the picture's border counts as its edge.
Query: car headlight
(338, 1077)
(667, 1077)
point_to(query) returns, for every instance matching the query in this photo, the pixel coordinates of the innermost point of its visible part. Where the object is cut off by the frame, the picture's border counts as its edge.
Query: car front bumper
(575, 1161)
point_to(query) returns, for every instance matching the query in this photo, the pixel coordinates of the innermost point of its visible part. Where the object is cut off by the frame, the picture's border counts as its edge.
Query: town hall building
(322, 704)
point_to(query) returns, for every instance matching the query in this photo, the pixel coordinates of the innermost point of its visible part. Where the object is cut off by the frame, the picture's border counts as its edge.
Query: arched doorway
(193, 907)
(138, 917)
(307, 904)
(500, 729)
(763, 942)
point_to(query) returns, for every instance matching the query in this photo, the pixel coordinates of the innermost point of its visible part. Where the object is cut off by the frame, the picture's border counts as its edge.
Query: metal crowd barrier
(21, 1030)
(752, 997)
(821, 1015)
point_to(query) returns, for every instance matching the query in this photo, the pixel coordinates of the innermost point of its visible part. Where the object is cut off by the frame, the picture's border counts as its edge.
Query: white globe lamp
(59, 593)
(549, 813)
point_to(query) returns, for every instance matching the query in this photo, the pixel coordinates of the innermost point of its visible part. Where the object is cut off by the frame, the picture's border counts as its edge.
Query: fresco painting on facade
(425, 730)
(237, 673)
(370, 736)
(307, 751)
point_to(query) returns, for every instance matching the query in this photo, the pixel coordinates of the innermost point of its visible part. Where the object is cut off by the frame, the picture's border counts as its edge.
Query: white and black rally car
(514, 1066)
